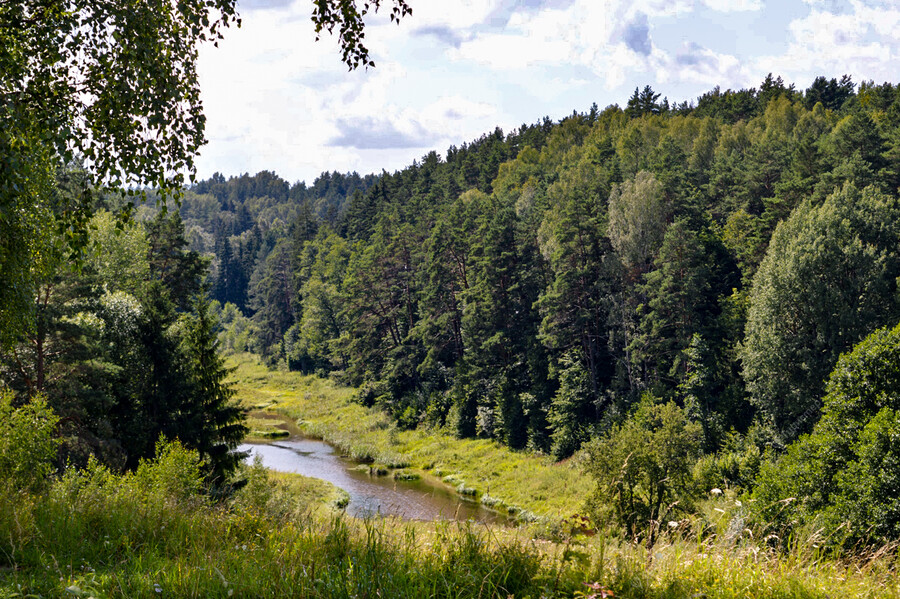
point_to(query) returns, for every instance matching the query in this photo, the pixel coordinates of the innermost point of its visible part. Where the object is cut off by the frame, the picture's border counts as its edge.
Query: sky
(277, 100)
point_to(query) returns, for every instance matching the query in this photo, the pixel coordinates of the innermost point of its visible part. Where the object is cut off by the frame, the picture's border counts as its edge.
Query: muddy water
(369, 495)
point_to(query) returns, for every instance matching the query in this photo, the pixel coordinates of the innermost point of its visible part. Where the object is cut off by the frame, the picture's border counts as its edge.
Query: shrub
(847, 471)
(643, 467)
(735, 466)
(175, 471)
(27, 442)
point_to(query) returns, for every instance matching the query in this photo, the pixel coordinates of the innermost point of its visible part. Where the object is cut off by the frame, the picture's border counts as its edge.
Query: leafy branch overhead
(347, 17)
(116, 83)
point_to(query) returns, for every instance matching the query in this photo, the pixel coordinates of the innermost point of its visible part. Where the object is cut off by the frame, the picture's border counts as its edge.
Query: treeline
(566, 282)
(532, 286)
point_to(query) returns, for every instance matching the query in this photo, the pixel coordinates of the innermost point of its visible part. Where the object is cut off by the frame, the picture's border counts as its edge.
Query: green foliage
(236, 331)
(75, 75)
(272, 298)
(179, 270)
(311, 343)
(735, 466)
(72, 88)
(529, 286)
(119, 253)
(27, 442)
(638, 214)
(645, 102)
(571, 410)
(829, 279)
(174, 472)
(845, 472)
(643, 469)
(678, 306)
(27, 187)
(214, 424)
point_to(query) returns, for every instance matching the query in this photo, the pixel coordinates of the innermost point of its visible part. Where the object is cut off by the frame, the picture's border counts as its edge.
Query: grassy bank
(155, 533)
(152, 534)
(517, 482)
(93, 534)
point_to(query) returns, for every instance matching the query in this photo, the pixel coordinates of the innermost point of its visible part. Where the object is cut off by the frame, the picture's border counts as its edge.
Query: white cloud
(277, 100)
(586, 33)
(457, 14)
(734, 5)
(861, 42)
(706, 68)
(613, 38)
(504, 52)
(883, 21)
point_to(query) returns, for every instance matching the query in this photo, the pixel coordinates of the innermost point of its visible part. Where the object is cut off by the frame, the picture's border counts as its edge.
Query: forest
(683, 298)
(662, 338)
(714, 279)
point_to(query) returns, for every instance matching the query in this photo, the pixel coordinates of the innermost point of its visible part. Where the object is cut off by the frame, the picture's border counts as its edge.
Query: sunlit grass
(101, 536)
(518, 482)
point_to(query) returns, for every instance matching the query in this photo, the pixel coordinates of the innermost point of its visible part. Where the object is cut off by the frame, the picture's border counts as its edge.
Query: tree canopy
(829, 279)
(847, 469)
(113, 85)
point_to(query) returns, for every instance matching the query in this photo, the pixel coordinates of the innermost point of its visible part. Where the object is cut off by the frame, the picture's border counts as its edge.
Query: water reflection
(369, 495)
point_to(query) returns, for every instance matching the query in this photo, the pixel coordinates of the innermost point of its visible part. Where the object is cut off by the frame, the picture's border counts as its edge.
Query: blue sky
(277, 100)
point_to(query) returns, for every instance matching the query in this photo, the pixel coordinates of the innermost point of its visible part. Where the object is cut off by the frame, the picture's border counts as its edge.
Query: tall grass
(94, 534)
(152, 534)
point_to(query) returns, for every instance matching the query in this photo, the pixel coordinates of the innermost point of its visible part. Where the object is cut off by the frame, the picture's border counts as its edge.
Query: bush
(735, 466)
(643, 468)
(175, 472)
(27, 442)
(846, 473)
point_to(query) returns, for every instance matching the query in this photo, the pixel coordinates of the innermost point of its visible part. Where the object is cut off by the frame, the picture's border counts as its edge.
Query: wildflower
(716, 491)
(157, 588)
(673, 524)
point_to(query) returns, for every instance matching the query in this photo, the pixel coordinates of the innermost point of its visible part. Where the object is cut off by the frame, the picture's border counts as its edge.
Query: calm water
(369, 495)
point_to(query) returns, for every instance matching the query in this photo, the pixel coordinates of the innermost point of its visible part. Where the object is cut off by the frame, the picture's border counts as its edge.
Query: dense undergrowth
(155, 532)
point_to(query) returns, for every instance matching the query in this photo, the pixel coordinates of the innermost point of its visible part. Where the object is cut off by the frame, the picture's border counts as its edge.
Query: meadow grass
(154, 533)
(520, 483)
(99, 535)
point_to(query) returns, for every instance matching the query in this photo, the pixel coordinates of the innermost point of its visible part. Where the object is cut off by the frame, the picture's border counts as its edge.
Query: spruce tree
(214, 424)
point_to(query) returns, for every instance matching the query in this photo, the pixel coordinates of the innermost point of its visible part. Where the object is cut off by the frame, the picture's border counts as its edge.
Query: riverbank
(524, 485)
(150, 534)
(154, 533)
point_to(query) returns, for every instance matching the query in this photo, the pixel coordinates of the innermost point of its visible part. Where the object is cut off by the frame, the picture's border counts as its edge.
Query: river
(369, 495)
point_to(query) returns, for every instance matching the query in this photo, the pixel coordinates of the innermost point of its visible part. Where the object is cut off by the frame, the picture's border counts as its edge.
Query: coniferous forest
(695, 270)
(678, 298)
(659, 341)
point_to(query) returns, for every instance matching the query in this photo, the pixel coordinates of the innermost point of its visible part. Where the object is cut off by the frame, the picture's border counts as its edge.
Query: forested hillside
(681, 291)
(659, 340)
(532, 286)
